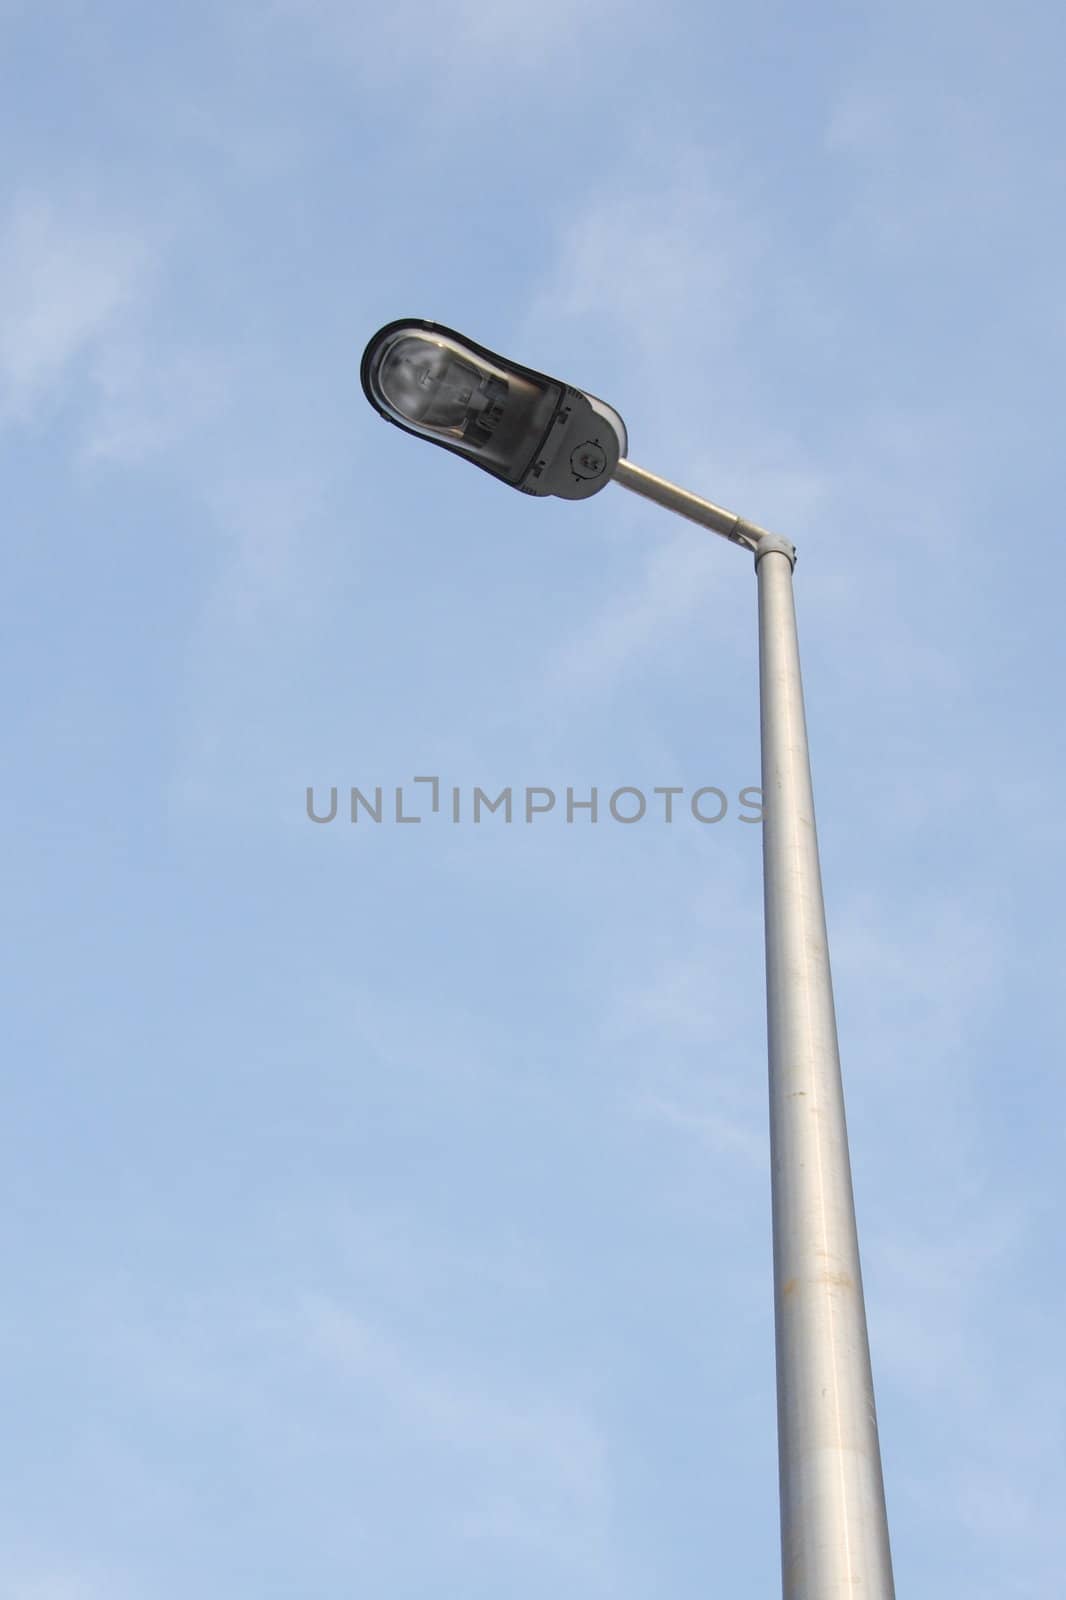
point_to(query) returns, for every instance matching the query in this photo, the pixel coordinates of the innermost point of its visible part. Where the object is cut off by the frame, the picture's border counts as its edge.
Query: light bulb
(433, 387)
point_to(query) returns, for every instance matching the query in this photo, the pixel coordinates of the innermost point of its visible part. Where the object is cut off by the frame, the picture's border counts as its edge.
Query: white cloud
(673, 583)
(662, 260)
(530, 1429)
(459, 40)
(49, 1585)
(66, 282)
(540, 1467)
(936, 169)
(721, 1132)
(149, 400)
(665, 267)
(46, 1578)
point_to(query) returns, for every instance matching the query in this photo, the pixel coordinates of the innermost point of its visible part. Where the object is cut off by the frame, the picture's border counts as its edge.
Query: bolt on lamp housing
(534, 432)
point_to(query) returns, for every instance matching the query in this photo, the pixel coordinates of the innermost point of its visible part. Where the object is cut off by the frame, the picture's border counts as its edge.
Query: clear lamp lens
(434, 385)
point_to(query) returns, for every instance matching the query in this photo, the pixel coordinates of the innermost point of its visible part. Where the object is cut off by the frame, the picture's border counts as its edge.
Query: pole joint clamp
(768, 542)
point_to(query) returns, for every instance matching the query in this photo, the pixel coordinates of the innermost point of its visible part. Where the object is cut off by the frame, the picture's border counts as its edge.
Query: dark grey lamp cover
(534, 432)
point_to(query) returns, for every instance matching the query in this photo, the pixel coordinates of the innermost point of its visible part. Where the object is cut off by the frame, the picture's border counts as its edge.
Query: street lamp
(535, 433)
(544, 437)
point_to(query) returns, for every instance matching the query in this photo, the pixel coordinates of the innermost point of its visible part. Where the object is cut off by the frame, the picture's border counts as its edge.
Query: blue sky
(386, 1208)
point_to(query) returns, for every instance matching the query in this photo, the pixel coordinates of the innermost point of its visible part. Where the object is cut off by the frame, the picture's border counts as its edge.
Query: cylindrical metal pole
(834, 1531)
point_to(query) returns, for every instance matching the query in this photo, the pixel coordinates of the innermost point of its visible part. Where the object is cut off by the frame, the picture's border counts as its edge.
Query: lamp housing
(534, 432)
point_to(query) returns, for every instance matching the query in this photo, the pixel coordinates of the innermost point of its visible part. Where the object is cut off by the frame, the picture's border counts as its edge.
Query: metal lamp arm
(727, 523)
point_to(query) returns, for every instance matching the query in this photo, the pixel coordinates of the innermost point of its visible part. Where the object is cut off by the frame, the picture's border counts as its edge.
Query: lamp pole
(544, 437)
(834, 1528)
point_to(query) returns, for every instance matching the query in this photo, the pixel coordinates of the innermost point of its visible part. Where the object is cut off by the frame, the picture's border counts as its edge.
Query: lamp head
(534, 432)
